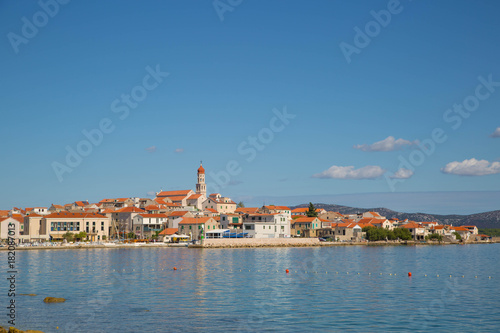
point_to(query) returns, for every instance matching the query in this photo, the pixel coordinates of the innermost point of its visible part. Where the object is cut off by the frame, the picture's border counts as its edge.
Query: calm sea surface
(352, 288)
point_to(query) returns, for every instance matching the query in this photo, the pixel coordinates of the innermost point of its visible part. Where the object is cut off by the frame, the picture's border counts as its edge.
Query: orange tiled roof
(201, 169)
(195, 220)
(246, 210)
(168, 231)
(194, 196)
(179, 213)
(153, 215)
(173, 193)
(304, 220)
(177, 198)
(61, 215)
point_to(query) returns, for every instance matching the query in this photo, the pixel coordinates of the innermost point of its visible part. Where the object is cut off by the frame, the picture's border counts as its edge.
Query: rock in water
(54, 300)
(14, 330)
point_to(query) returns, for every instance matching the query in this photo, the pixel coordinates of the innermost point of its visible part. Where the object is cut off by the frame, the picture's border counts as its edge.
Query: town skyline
(377, 103)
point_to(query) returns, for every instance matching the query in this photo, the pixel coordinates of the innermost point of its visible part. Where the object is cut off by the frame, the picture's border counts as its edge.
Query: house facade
(306, 226)
(197, 226)
(146, 225)
(57, 224)
(266, 225)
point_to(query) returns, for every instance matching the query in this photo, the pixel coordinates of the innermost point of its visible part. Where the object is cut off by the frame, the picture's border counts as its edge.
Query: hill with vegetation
(481, 220)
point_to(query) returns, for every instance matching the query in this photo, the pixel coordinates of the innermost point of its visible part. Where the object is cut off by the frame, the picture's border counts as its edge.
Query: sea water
(340, 288)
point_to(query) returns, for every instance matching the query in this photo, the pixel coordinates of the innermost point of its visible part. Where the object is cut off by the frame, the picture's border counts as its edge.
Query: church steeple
(201, 188)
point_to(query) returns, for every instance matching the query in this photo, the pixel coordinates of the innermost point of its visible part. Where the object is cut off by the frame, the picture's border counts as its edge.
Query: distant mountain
(481, 220)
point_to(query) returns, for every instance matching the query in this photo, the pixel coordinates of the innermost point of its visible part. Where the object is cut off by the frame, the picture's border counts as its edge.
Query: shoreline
(245, 243)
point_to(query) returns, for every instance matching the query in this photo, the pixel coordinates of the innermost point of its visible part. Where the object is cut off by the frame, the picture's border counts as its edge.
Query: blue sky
(331, 110)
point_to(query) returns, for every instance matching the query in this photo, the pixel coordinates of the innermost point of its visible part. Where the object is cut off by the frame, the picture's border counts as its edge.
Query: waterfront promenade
(241, 243)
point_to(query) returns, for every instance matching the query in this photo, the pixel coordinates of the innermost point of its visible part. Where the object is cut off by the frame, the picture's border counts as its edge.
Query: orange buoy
(409, 273)
(175, 268)
(287, 271)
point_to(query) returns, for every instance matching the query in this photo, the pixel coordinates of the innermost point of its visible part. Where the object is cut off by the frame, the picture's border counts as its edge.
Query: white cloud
(348, 172)
(388, 144)
(402, 174)
(496, 134)
(472, 167)
(179, 150)
(151, 149)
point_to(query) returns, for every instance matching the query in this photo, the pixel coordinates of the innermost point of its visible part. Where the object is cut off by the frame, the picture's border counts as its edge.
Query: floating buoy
(175, 268)
(287, 271)
(409, 273)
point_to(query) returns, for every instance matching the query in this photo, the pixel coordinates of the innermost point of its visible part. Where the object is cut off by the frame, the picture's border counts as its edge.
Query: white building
(147, 224)
(9, 227)
(267, 225)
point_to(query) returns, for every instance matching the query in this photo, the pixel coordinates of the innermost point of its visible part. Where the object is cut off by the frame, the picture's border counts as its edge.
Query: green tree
(104, 237)
(68, 236)
(131, 235)
(81, 235)
(437, 237)
(240, 205)
(155, 236)
(457, 236)
(402, 233)
(312, 211)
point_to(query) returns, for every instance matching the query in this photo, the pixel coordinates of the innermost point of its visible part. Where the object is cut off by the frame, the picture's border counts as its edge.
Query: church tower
(201, 188)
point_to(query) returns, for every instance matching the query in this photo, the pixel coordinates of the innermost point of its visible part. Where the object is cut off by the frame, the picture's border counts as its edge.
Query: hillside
(481, 220)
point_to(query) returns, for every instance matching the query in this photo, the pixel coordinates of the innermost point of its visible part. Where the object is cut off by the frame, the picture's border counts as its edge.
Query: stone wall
(260, 242)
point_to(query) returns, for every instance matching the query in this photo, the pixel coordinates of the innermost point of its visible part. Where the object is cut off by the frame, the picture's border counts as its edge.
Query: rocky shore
(16, 330)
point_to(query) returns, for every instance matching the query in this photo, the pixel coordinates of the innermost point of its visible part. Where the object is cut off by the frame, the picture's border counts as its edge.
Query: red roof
(194, 196)
(168, 231)
(195, 220)
(129, 210)
(304, 219)
(179, 213)
(201, 169)
(114, 200)
(411, 225)
(61, 215)
(177, 198)
(173, 193)
(153, 215)
(246, 210)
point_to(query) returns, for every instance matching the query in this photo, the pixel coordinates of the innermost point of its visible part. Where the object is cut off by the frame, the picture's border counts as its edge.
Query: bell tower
(201, 188)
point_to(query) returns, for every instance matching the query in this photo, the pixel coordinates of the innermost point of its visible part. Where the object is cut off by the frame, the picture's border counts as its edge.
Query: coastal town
(187, 216)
